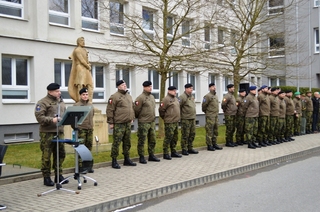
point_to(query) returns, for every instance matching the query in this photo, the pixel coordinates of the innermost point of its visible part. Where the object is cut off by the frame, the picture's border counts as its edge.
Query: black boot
(255, 145)
(210, 148)
(175, 155)
(61, 178)
(47, 181)
(250, 146)
(166, 156)
(142, 160)
(153, 158)
(184, 152)
(217, 147)
(128, 162)
(192, 151)
(229, 144)
(115, 164)
(262, 144)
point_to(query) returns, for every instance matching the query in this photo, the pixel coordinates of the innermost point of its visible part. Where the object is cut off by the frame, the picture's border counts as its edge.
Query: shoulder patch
(204, 100)
(110, 101)
(136, 103)
(245, 100)
(161, 104)
(38, 107)
(224, 99)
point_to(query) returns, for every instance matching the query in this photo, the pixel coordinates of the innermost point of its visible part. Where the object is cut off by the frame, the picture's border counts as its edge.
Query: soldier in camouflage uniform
(229, 108)
(144, 108)
(297, 118)
(169, 111)
(251, 110)
(303, 114)
(274, 116)
(240, 117)
(309, 111)
(289, 116)
(210, 106)
(281, 125)
(48, 112)
(264, 114)
(85, 130)
(188, 120)
(120, 115)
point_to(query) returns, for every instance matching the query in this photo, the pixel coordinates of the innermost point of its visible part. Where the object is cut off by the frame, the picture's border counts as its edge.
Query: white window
(191, 78)
(154, 77)
(148, 24)
(275, 81)
(186, 33)
(316, 3)
(227, 81)
(116, 18)
(233, 41)
(169, 28)
(12, 8)
(90, 14)
(99, 91)
(62, 70)
(207, 37)
(15, 79)
(212, 78)
(59, 12)
(174, 80)
(276, 47)
(123, 73)
(275, 6)
(220, 40)
(316, 40)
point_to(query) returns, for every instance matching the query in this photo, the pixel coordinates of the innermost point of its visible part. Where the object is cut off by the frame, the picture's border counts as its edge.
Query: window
(89, 10)
(15, 79)
(220, 40)
(174, 80)
(147, 24)
(12, 8)
(62, 71)
(316, 3)
(316, 40)
(212, 78)
(233, 41)
(123, 73)
(99, 91)
(276, 47)
(275, 6)
(59, 12)
(227, 81)
(154, 77)
(169, 28)
(116, 18)
(207, 37)
(274, 81)
(186, 33)
(191, 78)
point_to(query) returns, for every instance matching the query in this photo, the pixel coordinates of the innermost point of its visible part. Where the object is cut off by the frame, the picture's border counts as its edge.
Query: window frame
(170, 28)
(316, 3)
(151, 77)
(226, 81)
(119, 71)
(316, 40)
(279, 9)
(212, 78)
(207, 37)
(174, 77)
(186, 35)
(276, 49)
(120, 17)
(63, 83)
(60, 14)
(192, 78)
(91, 20)
(147, 25)
(14, 86)
(94, 79)
(221, 39)
(13, 5)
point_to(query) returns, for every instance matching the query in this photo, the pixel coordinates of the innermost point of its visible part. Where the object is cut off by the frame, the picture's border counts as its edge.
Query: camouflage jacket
(144, 107)
(210, 105)
(187, 106)
(169, 109)
(228, 104)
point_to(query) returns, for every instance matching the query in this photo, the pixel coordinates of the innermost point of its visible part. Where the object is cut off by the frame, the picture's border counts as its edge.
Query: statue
(80, 75)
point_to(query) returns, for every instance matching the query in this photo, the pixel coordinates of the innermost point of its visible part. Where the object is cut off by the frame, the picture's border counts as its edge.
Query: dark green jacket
(264, 104)
(187, 106)
(240, 104)
(251, 106)
(289, 106)
(274, 105)
(210, 105)
(169, 109)
(229, 105)
(282, 111)
(144, 107)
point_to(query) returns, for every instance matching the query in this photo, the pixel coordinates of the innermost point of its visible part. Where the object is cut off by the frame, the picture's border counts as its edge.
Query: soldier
(297, 112)
(120, 115)
(85, 130)
(303, 118)
(240, 117)
(274, 115)
(229, 108)
(264, 114)
(169, 111)
(48, 112)
(144, 109)
(309, 111)
(210, 106)
(289, 116)
(251, 110)
(315, 114)
(281, 125)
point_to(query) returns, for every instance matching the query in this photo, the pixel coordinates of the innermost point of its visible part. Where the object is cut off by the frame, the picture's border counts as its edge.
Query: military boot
(128, 162)
(166, 156)
(47, 181)
(142, 160)
(215, 146)
(251, 146)
(210, 148)
(153, 158)
(185, 152)
(61, 178)
(115, 164)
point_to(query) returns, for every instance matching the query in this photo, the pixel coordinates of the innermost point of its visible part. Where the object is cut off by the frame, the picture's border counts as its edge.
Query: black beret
(120, 82)
(242, 90)
(281, 92)
(211, 84)
(171, 88)
(230, 86)
(83, 90)
(146, 83)
(188, 85)
(289, 91)
(274, 89)
(53, 86)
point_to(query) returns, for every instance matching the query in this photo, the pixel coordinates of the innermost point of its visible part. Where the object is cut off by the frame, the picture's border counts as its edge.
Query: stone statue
(80, 75)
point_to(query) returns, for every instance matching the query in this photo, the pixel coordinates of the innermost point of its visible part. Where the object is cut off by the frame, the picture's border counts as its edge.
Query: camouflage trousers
(240, 120)
(171, 137)
(272, 134)
(49, 148)
(87, 137)
(230, 122)
(263, 128)
(289, 125)
(121, 133)
(251, 128)
(146, 131)
(281, 126)
(188, 132)
(297, 123)
(309, 121)
(211, 130)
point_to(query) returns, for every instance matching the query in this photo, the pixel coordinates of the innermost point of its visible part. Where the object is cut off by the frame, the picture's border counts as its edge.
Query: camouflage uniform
(309, 111)
(274, 116)
(145, 112)
(169, 111)
(297, 119)
(120, 113)
(229, 108)
(251, 110)
(240, 119)
(47, 109)
(210, 106)
(188, 120)
(289, 117)
(264, 114)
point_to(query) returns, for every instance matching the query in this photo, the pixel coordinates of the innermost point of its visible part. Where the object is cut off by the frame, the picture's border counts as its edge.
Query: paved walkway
(131, 185)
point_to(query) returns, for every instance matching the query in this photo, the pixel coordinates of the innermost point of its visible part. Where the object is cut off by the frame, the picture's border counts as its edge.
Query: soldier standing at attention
(210, 106)
(274, 115)
(229, 108)
(188, 120)
(309, 111)
(281, 126)
(48, 112)
(169, 111)
(251, 110)
(297, 112)
(85, 130)
(144, 109)
(120, 115)
(264, 114)
(289, 116)
(241, 100)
